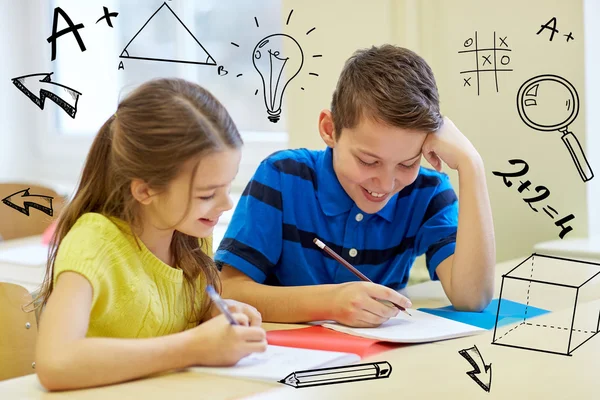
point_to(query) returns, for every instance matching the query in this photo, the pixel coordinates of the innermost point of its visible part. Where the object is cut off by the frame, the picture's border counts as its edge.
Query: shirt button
(353, 252)
(359, 217)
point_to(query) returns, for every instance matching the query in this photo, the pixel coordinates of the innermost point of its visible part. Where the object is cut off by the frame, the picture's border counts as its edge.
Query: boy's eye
(207, 197)
(409, 166)
(366, 163)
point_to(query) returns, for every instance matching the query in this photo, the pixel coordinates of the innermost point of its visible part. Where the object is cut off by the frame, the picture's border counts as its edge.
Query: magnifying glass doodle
(550, 103)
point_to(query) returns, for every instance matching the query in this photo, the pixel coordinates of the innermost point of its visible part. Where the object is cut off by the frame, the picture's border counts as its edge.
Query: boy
(366, 197)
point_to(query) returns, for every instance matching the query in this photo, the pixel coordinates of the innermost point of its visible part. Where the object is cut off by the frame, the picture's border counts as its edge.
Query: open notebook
(278, 361)
(421, 327)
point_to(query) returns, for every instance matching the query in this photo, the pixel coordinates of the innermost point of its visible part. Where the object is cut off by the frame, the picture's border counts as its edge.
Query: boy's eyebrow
(412, 158)
(210, 187)
(379, 158)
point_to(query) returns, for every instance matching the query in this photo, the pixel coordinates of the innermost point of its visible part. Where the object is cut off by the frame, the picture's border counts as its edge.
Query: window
(63, 141)
(213, 26)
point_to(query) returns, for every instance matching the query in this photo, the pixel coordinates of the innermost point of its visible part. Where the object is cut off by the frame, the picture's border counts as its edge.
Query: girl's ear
(326, 128)
(141, 191)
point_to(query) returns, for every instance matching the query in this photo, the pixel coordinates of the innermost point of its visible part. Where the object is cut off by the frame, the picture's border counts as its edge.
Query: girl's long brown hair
(157, 128)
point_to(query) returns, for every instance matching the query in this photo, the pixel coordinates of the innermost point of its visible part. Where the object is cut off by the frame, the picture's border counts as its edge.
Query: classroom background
(48, 147)
(518, 78)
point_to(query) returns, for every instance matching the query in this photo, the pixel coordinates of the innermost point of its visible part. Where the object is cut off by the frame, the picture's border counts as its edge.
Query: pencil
(352, 269)
(344, 374)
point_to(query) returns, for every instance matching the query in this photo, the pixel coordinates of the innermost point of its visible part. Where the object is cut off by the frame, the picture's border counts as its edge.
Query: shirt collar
(333, 198)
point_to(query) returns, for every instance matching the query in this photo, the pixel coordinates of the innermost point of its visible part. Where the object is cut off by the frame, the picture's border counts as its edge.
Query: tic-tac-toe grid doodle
(487, 59)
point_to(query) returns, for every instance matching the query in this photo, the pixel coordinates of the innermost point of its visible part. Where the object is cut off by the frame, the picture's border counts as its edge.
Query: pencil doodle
(483, 375)
(107, 16)
(334, 375)
(138, 48)
(23, 200)
(30, 84)
(553, 30)
(543, 191)
(550, 103)
(278, 58)
(486, 59)
(561, 285)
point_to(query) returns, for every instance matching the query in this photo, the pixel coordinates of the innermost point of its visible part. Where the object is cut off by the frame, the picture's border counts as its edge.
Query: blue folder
(510, 313)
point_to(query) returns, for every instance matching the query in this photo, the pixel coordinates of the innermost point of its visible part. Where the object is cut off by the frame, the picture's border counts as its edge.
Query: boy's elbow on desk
(472, 302)
(474, 298)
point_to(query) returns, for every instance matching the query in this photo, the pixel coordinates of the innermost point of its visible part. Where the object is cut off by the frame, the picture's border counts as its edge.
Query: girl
(124, 287)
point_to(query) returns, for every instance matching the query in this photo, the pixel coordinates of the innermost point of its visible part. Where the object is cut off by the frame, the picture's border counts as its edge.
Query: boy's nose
(385, 183)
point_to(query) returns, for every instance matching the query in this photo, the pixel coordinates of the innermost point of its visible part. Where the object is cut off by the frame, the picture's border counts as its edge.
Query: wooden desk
(434, 370)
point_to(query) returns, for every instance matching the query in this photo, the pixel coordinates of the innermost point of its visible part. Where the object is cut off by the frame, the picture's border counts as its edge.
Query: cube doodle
(561, 286)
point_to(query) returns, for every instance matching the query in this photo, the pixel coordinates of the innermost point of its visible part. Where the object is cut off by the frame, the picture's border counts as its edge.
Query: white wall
(15, 150)
(591, 15)
(434, 28)
(437, 29)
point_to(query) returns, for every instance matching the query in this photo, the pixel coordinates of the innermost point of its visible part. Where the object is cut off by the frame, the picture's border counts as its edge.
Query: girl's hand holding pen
(359, 304)
(253, 316)
(217, 342)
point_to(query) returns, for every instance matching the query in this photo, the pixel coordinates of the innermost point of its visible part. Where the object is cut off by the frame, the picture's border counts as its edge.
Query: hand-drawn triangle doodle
(144, 46)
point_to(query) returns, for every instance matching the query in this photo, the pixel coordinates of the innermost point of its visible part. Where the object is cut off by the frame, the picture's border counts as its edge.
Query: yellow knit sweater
(135, 294)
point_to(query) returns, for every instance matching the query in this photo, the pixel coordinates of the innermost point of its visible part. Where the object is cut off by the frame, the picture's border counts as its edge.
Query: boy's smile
(373, 161)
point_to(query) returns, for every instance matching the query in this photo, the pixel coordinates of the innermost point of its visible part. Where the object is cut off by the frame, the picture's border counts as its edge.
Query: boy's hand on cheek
(450, 146)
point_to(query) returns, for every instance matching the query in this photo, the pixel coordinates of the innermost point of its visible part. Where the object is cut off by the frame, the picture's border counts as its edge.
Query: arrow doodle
(46, 88)
(29, 200)
(471, 355)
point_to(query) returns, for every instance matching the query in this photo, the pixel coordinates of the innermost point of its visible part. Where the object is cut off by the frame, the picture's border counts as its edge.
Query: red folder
(319, 338)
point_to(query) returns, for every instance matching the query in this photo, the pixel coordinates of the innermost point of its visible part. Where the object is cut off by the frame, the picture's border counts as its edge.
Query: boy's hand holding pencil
(363, 304)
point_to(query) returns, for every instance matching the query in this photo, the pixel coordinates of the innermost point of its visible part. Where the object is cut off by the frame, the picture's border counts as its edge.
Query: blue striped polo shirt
(295, 196)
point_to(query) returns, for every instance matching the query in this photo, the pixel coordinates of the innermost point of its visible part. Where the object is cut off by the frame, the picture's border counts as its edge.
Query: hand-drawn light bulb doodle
(550, 103)
(277, 67)
(278, 58)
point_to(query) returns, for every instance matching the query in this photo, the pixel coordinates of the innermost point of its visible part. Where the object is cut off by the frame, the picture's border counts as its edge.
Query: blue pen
(214, 296)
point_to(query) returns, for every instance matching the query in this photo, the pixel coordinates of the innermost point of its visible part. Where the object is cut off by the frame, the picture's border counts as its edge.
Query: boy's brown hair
(389, 84)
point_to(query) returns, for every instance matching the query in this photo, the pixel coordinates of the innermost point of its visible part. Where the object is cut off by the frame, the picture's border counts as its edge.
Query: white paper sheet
(30, 254)
(279, 361)
(421, 327)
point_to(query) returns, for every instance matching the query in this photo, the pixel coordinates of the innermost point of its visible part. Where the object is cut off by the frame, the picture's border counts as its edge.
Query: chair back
(18, 332)
(26, 209)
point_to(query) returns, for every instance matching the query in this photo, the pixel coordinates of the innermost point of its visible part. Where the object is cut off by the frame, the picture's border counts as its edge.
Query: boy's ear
(141, 191)
(326, 128)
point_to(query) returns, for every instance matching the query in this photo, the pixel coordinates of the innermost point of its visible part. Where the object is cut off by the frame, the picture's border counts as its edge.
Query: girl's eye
(366, 163)
(207, 197)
